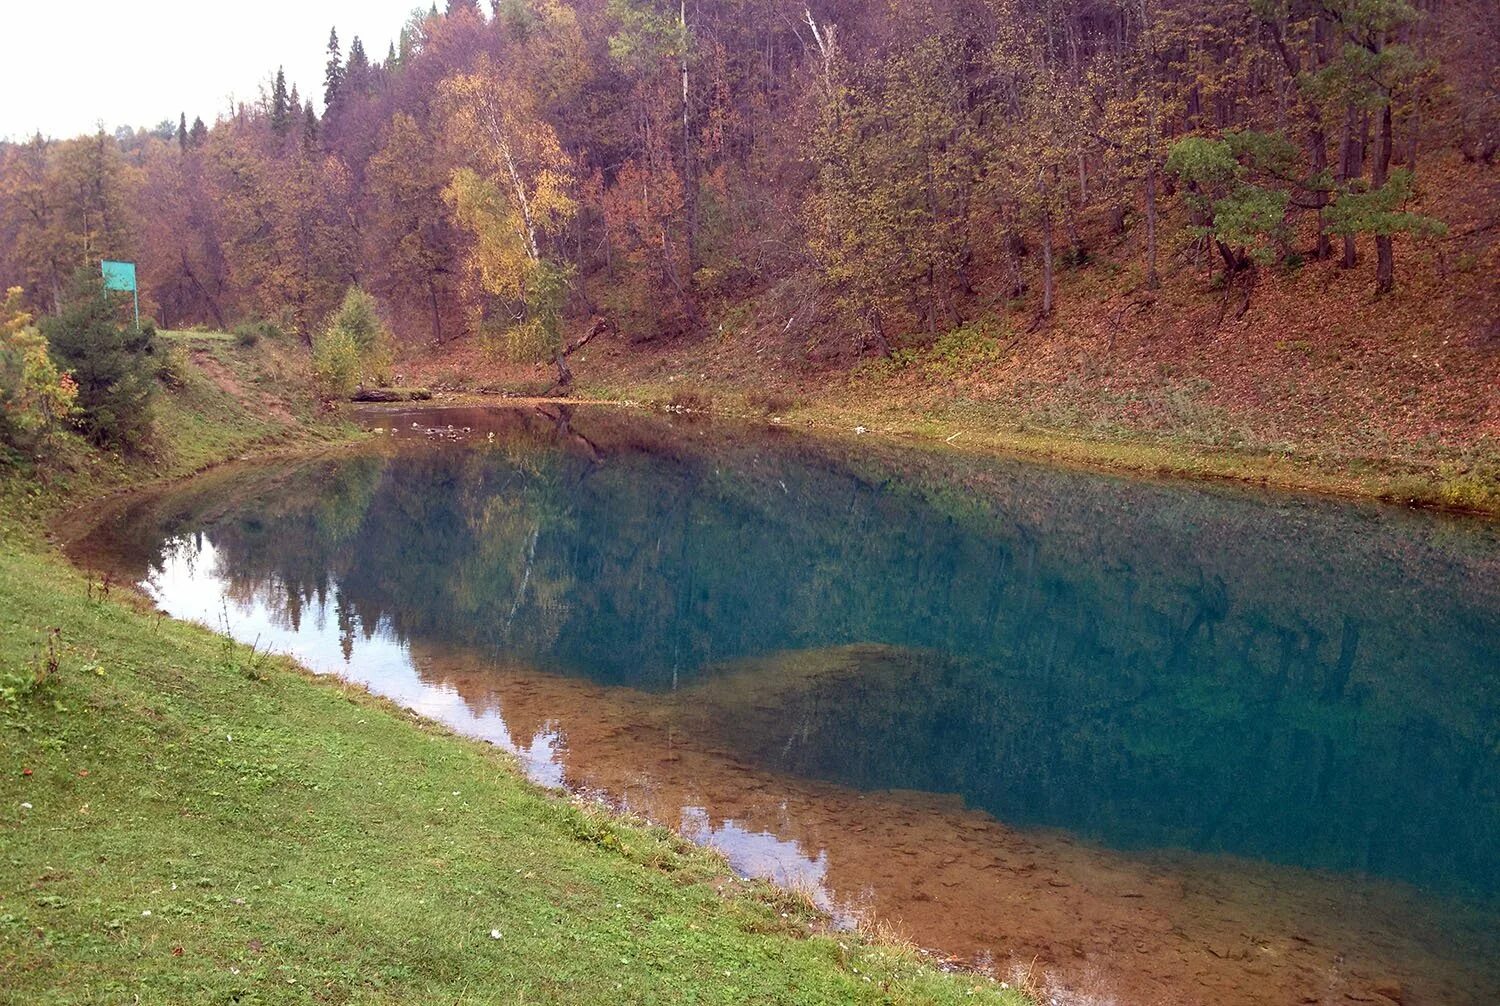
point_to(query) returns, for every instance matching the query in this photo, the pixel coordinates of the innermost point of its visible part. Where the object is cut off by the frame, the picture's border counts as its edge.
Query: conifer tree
(280, 106)
(1371, 70)
(198, 134)
(333, 76)
(357, 69)
(182, 131)
(309, 126)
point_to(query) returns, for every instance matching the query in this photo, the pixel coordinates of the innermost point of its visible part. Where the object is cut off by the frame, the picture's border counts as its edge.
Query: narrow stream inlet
(1153, 744)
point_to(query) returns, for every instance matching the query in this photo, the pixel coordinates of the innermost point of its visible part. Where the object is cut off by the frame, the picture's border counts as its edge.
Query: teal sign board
(118, 275)
(121, 276)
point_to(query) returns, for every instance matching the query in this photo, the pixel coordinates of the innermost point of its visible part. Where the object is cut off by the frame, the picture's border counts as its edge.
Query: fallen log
(392, 395)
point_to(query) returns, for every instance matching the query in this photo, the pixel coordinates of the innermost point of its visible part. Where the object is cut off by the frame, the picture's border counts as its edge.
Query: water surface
(1174, 744)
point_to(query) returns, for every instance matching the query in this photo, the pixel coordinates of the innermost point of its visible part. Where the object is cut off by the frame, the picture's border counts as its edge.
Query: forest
(888, 170)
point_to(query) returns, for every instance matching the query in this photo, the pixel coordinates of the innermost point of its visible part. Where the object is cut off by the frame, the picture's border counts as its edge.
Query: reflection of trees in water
(1149, 665)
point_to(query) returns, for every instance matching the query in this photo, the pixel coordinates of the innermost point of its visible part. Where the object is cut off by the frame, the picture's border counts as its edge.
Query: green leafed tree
(1370, 71)
(354, 348)
(1230, 201)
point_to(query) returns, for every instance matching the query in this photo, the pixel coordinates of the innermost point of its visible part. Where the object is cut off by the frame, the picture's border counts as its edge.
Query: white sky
(67, 64)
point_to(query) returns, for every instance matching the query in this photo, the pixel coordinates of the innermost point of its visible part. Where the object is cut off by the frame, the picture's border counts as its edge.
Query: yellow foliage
(33, 393)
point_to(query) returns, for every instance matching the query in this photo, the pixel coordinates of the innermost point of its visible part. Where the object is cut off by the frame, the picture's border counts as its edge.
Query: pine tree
(1372, 70)
(182, 131)
(309, 126)
(357, 69)
(198, 134)
(112, 363)
(280, 107)
(333, 77)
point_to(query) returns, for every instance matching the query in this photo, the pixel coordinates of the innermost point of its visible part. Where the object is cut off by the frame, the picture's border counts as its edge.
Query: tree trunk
(437, 317)
(1153, 280)
(877, 329)
(1351, 166)
(1317, 142)
(689, 176)
(1385, 258)
(1047, 271)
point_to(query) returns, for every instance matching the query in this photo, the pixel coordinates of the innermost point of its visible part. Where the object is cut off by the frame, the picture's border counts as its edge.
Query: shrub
(113, 364)
(248, 334)
(358, 317)
(528, 342)
(960, 350)
(34, 394)
(171, 367)
(354, 328)
(336, 364)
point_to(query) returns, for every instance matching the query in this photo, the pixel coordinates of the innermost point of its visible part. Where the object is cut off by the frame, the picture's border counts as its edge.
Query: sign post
(121, 276)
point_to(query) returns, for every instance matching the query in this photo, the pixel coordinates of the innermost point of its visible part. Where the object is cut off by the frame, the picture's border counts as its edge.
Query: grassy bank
(216, 400)
(1468, 484)
(185, 821)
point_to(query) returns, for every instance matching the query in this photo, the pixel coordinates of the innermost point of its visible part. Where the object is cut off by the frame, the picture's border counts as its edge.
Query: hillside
(1317, 384)
(1247, 239)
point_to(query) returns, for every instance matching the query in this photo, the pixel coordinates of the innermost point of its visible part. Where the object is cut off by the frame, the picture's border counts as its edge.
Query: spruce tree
(280, 106)
(198, 134)
(333, 76)
(111, 362)
(182, 132)
(357, 69)
(309, 126)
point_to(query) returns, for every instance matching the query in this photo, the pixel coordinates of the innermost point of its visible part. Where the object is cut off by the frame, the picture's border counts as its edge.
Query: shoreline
(1416, 488)
(36, 569)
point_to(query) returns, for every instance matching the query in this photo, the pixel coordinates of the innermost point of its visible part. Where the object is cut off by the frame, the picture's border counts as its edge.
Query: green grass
(182, 821)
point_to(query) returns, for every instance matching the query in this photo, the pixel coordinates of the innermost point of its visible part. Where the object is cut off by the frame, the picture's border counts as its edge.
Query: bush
(34, 394)
(336, 364)
(113, 364)
(528, 342)
(249, 333)
(171, 367)
(354, 328)
(960, 350)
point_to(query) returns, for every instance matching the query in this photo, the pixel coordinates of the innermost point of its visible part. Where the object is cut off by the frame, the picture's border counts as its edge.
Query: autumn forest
(645, 162)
